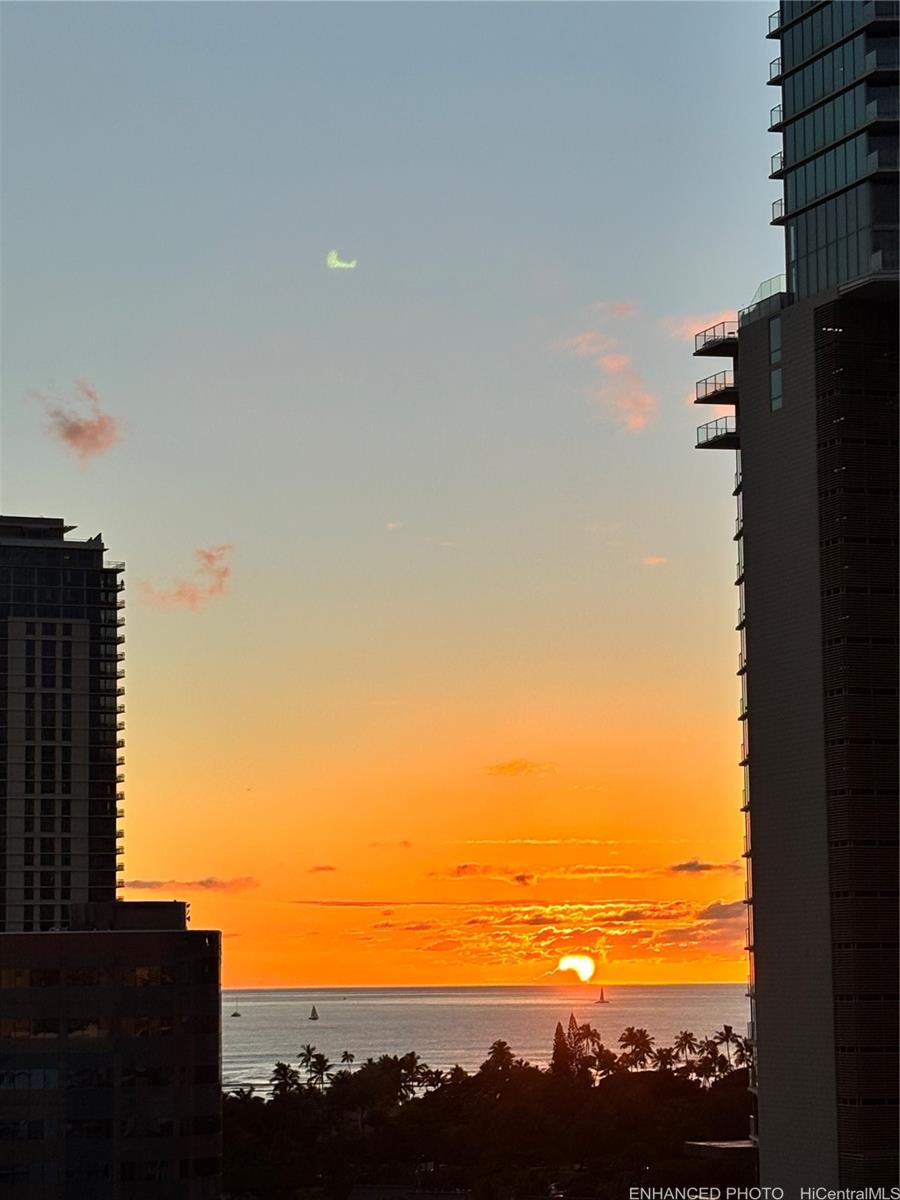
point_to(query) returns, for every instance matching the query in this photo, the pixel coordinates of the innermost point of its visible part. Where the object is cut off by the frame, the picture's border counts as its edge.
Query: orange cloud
(654, 560)
(321, 870)
(694, 867)
(214, 573)
(683, 328)
(603, 309)
(87, 434)
(210, 884)
(520, 766)
(615, 362)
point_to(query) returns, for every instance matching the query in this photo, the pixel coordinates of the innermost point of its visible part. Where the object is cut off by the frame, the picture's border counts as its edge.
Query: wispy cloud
(517, 767)
(723, 910)
(654, 560)
(394, 525)
(82, 426)
(525, 876)
(212, 575)
(403, 844)
(325, 868)
(695, 866)
(623, 391)
(683, 328)
(210, 884)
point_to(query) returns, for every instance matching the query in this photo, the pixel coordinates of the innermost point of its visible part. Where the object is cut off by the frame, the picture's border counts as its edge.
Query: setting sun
(583, 966)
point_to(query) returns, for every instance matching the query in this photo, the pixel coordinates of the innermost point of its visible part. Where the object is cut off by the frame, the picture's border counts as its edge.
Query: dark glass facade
(61, 723)
(838, 75)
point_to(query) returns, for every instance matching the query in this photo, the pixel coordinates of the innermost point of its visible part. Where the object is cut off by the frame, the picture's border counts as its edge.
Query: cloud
(603, 309)
(628, 400)
(320, 870)
(589, 344)
(213, 574)
(623, 390)
(695, 866)
(88, 432)
(394, 525)
(520, 766)
(683, 328)
(403, 844)
(654, 560)
(572, 841)
(723, 910)
(210, 884)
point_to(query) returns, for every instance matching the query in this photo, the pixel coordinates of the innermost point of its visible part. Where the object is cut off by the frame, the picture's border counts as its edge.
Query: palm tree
(284, 1079)
(500, 1057)
(663, 1058)
(606, 1061)
(319, 1071)
(726, 1037)
(347, 1057)
(639, 1043)
(305, 1056)
(686, 1044)
(743, 1052)
(705, 1068)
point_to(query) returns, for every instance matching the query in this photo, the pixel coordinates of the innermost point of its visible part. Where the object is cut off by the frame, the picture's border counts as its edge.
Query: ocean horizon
(454, 1025)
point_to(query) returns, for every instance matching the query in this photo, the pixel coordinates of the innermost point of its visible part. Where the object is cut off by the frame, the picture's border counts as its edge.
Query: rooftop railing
(715, 429)
(724, 331)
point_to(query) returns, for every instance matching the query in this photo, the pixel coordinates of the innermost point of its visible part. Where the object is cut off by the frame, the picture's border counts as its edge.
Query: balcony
(775, 71)
(120, 813)
(743, 710)
(742, 663)
(716, 389)
(120, 834)
(884, 108)
(774, 22)
(720, 434)
(120, 779)
(114, 566)
(719, 341)
(776, 119)
(741, 617)
(776, 165)
(881, 64)
(745, 803)
(777, 211)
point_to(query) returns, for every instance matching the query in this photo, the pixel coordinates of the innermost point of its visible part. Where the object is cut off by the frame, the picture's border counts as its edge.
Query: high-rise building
(61, 723)
(110, 1071)
(813, 381)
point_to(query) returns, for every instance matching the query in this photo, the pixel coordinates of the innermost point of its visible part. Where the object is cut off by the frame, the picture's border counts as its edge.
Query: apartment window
(775, 393)
(775, 340)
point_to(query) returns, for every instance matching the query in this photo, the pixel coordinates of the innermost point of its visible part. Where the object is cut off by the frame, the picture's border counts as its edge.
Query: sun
(583, 966)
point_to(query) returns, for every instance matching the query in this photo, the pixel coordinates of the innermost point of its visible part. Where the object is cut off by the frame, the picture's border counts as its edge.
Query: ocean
(445, 1026)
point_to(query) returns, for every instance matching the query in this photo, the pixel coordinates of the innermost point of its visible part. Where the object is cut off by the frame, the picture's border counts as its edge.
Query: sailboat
(603, 999)
(237, 1011)
(313, 1016)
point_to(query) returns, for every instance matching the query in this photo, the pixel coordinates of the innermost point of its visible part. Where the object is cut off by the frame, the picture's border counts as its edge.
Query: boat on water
(603, 999)
(313, 1016)
(237, 1010)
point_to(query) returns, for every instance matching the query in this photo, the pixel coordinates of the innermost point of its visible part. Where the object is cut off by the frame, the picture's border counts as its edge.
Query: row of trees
(580, 1050)
(597, 1118)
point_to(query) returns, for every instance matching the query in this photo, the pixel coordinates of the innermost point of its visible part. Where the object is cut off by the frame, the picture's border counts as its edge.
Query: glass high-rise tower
(813, 380)
(61, 723)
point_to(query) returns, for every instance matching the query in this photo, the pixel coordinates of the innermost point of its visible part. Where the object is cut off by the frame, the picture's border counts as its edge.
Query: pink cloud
(86, 433)
(602, 309)
(615, 362)
(213, 575)
(683, 328)
(629, 401)
(589, 344)
(653, 560)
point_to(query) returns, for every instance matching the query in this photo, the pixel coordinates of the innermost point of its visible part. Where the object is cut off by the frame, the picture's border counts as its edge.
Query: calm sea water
(454, 1025)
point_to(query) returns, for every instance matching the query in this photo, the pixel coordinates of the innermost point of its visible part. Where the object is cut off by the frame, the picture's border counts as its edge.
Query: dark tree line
(595, 1121)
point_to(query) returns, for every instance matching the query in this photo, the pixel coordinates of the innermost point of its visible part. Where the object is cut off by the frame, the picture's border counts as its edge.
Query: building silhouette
(812, 376)
(110, 1062)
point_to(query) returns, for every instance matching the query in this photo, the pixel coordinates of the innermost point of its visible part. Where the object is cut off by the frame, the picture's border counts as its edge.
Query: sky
(431, 650)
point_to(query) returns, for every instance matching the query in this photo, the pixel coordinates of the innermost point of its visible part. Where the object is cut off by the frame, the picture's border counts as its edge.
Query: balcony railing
(713, 430)
(114, 566)
(774, 20)
(724, 331)
(776, 116)
(777, 209)
(777, 162)
(774, 69)
(884, 107)
(714, 385)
